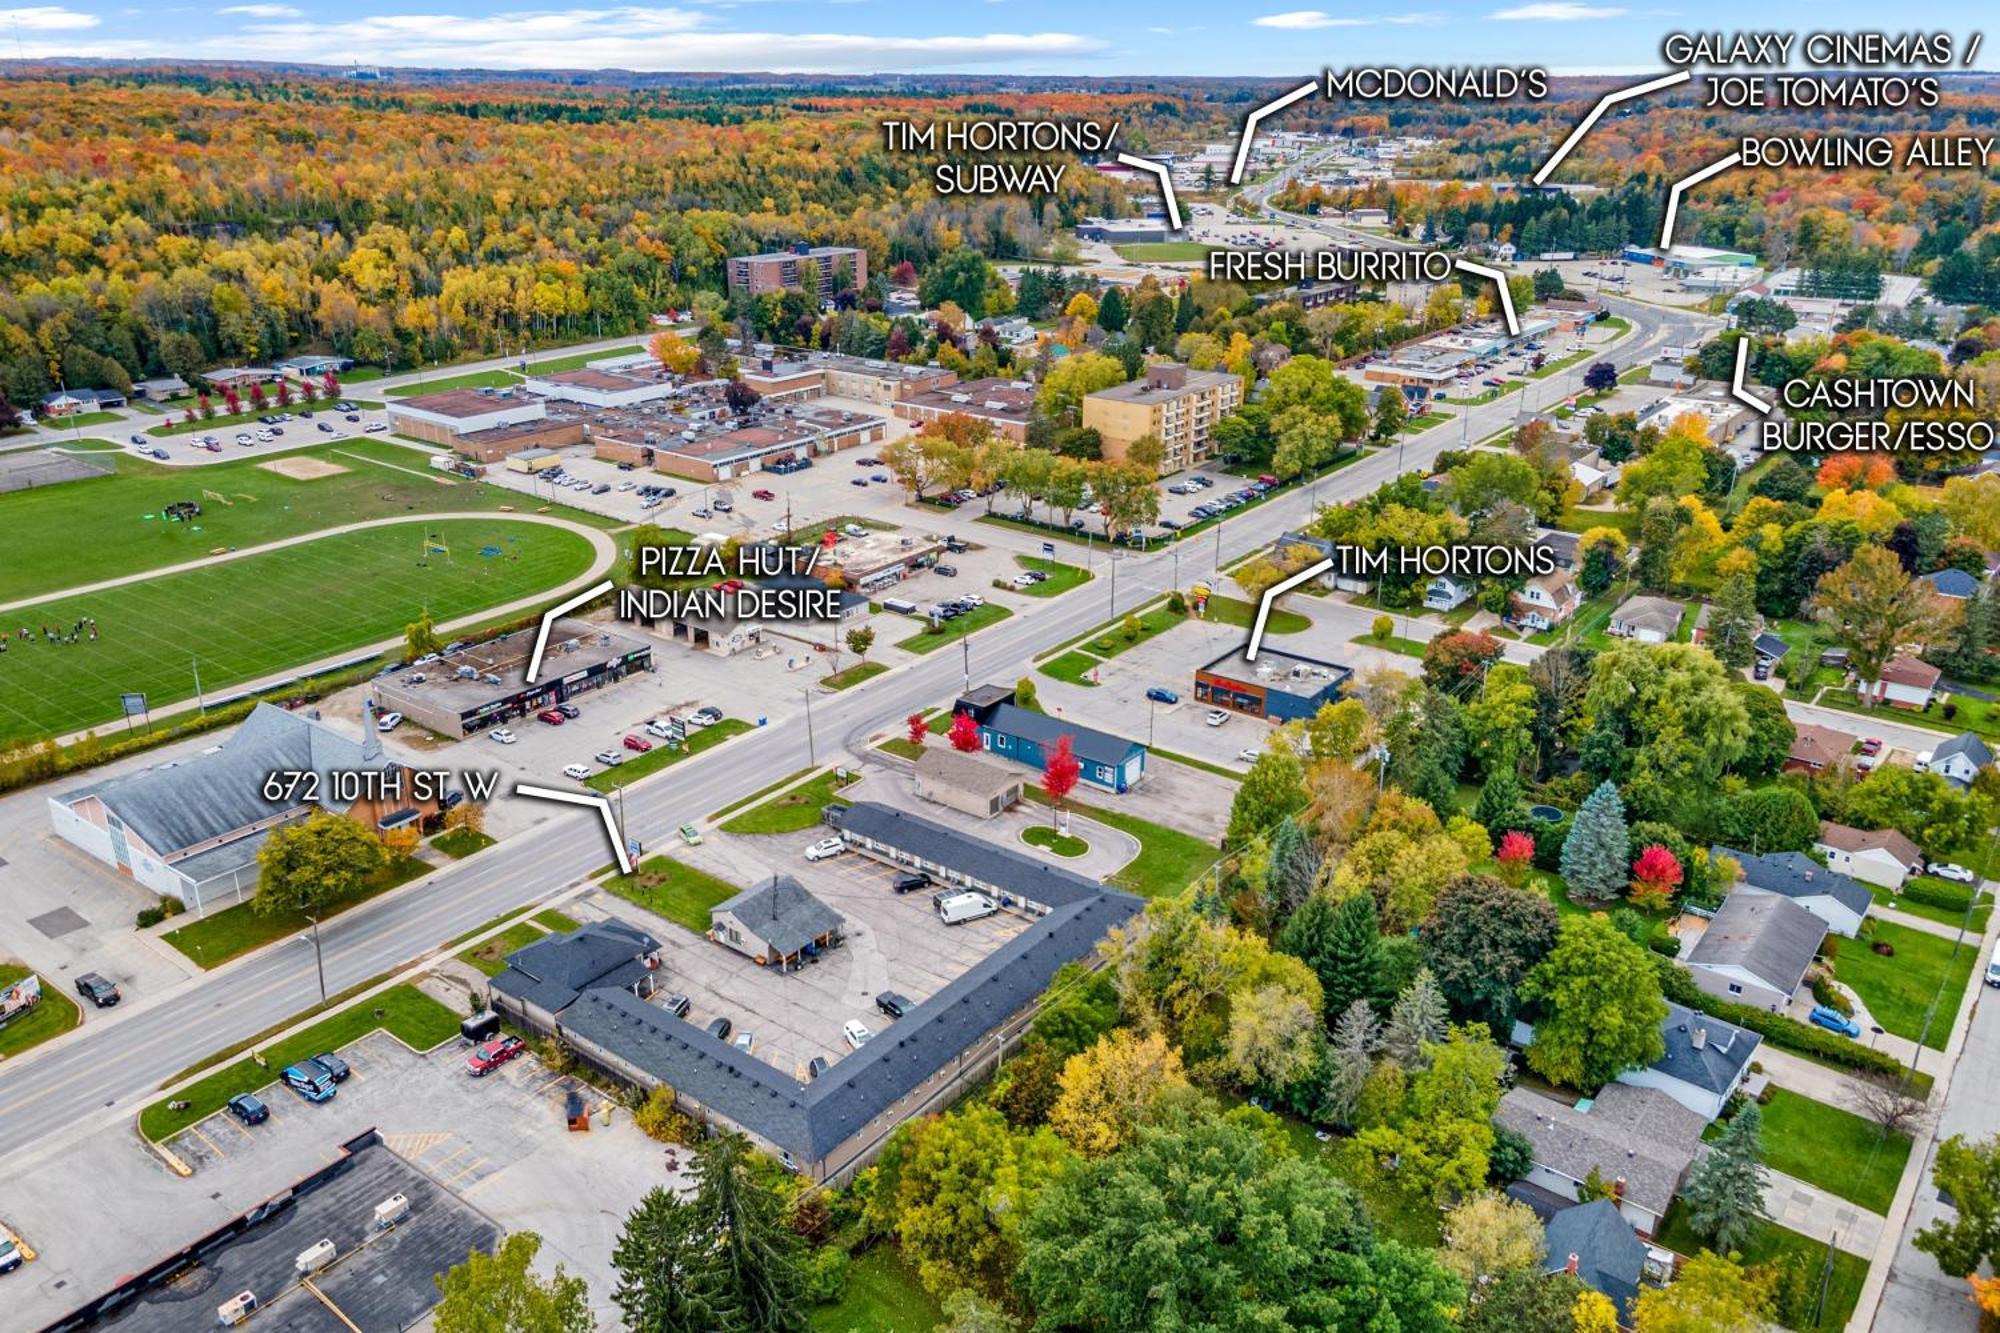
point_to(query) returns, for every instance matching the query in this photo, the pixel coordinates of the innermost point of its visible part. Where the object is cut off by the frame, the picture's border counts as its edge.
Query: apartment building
(780, 270)
(1178, 404)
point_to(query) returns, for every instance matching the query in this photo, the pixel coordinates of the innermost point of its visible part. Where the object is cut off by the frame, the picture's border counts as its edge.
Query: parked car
(99, 990)
(245, 1107)
(947, 571)
(1160, 694)
(309, 1081)
(1957, 874)
(576, 772)
(1216, 717)
(1993, 969)
(570, 711)
(10, 1255)
(388, 721)
(676, 1004)
(825, 848)
(1247, 755)
(911, 883)
(502, 735)
(373, 427)
(335, 1067)
(489, 1056)
(955, 909)
(706, 716)
(763, 495)
(1834, 1021)
(638, 744)
(609, 758)
(1871, 745)
(690, 835)
(893, 1004)
(816, 1066)
(718, 1028)
(855, 1034)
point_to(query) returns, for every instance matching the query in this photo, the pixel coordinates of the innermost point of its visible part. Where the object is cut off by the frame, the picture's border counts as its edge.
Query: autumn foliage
(1515, 853)
(964, 733)
(1655, 876)
(1856, 472)
(917, 729)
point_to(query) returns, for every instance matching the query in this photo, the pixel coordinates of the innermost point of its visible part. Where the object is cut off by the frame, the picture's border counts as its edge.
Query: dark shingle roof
(812, 1119)
(1609, 1254)
(1002, 867)
(554, 970)
(1796, 875)
(782, 914)
(1768, 935)
(1640, 1135)
(1772, 646)
(1967, 744)
(1088, 743)
(1719, 1061)
(1953, 583)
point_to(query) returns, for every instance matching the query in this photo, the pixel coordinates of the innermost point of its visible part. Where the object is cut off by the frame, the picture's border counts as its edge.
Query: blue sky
(1109, 37)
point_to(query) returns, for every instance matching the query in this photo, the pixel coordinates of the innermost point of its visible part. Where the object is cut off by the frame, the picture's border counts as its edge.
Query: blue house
(1027, 737)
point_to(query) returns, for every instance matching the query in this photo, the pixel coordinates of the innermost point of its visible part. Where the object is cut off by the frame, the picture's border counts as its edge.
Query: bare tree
(1886, 1100)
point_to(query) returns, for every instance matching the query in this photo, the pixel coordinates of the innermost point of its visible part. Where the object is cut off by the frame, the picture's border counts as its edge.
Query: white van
(900, 605)
(956, 909)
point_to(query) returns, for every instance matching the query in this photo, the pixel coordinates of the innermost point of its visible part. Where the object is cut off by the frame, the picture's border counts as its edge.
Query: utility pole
(966, 644)
(812, 757)
(318, 961)
(1113, 557)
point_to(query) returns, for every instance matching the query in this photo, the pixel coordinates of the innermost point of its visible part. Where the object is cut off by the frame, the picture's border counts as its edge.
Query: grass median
(951, 631)
(404, 1012)
(1061, 577)
(490, 957)
(794, 812)
(54, 1014)
(215, 939)
(662, 756)
(1168, 860)
(680, 893)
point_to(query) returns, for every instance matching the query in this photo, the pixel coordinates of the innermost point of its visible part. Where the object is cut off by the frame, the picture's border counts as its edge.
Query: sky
(1060, 37)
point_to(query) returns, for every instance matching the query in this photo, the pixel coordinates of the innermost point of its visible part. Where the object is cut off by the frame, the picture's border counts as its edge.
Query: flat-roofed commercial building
(1281, 687)
(725, 449)
(1005, 405)
(480, 687)
(498, 443)
(782, 374)
(439, 418)
(753, 275)
(595, 387)
(1177, 404)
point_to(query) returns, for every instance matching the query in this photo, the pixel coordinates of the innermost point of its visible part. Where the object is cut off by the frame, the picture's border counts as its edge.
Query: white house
(1959, 759)
(1829, 895)
(1907, 682)
(1445, 593)
(1704, 1062)
(1647, 619)
(1755, 950)
(1546, 601)
(1877, 856)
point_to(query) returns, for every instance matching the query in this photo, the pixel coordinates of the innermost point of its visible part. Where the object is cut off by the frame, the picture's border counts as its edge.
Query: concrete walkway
(1811, 1079)
(1923, 923)
(1811, 1211)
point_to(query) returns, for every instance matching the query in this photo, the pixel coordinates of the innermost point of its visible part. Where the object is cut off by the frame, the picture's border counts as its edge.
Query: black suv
(718, 1028)
(911, 883)
(894, 1005)
(100, 991)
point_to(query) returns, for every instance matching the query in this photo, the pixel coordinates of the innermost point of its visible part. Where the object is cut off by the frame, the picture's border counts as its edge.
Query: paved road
(112, 1068)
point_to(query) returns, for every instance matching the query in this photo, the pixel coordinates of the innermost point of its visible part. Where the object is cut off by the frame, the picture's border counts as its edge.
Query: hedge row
(1785, 1033)
(1933, 894)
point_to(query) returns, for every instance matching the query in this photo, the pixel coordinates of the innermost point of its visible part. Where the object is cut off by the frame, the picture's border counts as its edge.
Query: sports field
(82, 532)
(267, 613)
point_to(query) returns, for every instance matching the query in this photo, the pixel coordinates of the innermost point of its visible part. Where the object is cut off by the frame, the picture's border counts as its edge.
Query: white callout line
(1271, 594)
(1681, 187)
(1166, 185)
(1604, 104)
(1500, 281)
(549, 618)
(598, 803)
(1250, 125)
(1736, 389)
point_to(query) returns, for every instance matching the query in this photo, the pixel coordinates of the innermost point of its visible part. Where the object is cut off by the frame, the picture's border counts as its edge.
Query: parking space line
(475, 1164)
(212, 1145)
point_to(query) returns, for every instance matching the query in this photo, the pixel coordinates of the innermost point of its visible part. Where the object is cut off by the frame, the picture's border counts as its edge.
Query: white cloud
(1558, 11)
(627, 37)
(262, 11)
(1308, 18)
(47, 18)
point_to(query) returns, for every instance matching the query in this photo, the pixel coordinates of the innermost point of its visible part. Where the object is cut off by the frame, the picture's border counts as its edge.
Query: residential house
(1594, 1243)
(1546, 601)
(544, 978)
(1027, 737)
(1562, 546)
(1878, 856)
(1446, 593)
(1953, 588)
(1959, 759)
(1907, 682)
(972, 783)
(1647, 619)
(1829, 895)
(774, 923)
(1815, 749)
(1755, 950)
(1703, 1062)
(1639, 1141)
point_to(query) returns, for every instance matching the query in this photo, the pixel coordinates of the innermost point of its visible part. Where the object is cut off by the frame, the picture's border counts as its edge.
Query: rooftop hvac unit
(994, 405)
(236, 1309)
(315, 1257)
(961, 398)
(391, 1211)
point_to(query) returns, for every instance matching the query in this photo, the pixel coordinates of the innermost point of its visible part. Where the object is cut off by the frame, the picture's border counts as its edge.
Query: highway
(109, 1070)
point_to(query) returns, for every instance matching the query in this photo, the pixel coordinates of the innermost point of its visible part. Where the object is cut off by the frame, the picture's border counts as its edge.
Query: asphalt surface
(110, 1070)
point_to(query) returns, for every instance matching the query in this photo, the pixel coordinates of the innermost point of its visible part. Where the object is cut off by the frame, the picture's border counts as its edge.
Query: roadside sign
(1049, 550)
(134, 704)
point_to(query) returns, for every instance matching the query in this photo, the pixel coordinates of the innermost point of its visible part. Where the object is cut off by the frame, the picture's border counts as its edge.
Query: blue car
(1835, 1021)
(1160, 694)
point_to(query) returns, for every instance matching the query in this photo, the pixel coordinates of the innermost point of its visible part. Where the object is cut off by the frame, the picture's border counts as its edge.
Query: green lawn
(1980, 715)
(794, 812)
(472, 379)
(85, 419)
(978, 618)
(1414, 1222)
(489, 957)
(1061, 577)
(759, 794)
(214, 939)
(578, 360)
(1945, 916)
(1163, 252)
(52, 1016)
(86, 531)
(404, 1011)
(460, 843)
(268, 613)
(1395, 643)
(853, 675)
(1074, 667)
(1898, 990)
(1772, 1242)
(677, 892)
(555, 919)
(1062, 844)
(1836, 1150)
(1223, 610)
(1168, 859)
(882, 1296)
(663, 756)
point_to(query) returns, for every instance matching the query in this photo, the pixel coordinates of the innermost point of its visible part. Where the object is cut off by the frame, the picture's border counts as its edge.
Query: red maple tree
(1655, 876)
(964, 733)
(1516, 850)
(918, 730)
(1059, 775)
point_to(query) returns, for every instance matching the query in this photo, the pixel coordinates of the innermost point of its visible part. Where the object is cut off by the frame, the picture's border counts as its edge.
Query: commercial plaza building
(481, 687)
(1281, 687)
(1174, 403)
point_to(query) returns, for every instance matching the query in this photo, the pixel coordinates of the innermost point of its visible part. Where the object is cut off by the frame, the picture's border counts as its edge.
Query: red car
(550, 716)
(639, 743)
(1871, 745)
(763, 495)
(490, 1056)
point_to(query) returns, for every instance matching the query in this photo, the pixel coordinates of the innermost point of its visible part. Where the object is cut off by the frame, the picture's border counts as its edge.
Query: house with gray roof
(1834, 898)
(970, 782)
(1882, 857)
(1704, 1059)
(911, 842)
(1959, 759)
(190, 828)
(1639, 1141)
(830, 1127)
(1647, 619)
(1755, 950)
(544, 978)
(774, 923)
(1593, 1243)
(1952, 585)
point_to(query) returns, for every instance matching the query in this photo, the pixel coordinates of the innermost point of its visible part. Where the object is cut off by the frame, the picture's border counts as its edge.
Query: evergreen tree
(1499, 797)
(1352, 966)
(1970, 655)
(1111, 311)
(1418, 1017)
(1596, 853)
(659, 1260)
(1294, 868)
(1350, 1058)
(1184, 311)
(1724, 1193)
(1732, 623)
(755, 1279)
(1311, 935)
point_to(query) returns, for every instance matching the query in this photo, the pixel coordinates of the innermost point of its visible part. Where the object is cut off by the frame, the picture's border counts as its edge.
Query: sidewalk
(1812, 1211)
(1811, 1079)
(1923, 923)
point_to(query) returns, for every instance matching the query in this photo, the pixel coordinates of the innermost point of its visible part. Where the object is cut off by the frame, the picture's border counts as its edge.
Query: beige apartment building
(1174, 402)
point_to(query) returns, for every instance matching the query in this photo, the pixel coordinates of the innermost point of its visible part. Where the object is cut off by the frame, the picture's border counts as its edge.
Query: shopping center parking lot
(893, 942)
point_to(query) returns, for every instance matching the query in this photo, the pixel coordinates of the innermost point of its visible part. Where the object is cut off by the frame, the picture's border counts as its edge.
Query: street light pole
(966, 644)
(812, 755)
(318, 961)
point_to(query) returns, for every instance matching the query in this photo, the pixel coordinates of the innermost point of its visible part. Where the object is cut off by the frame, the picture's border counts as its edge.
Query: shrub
(1830, 995)
(1934, 893)
(1382, 627)
(1176, 603)
(826, 1274)
(1782, 1032)
(658, 1118)
(1883, 947)
(151, 916)
(1669, 945)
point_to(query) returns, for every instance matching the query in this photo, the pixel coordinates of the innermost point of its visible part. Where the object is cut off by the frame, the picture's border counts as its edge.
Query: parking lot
(892, 942)
(327, 425)
(498, 1143)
